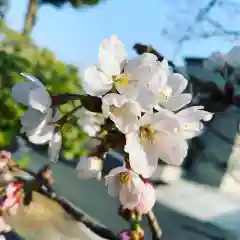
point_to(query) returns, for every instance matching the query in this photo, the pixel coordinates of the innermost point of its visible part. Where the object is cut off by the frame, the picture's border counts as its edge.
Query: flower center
(165, 93)
(147, 133)
(116, 111)
(121, 79)
(125, 178)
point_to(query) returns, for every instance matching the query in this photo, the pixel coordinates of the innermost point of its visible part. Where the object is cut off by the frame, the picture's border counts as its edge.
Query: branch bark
(154, 226)
(30, 18)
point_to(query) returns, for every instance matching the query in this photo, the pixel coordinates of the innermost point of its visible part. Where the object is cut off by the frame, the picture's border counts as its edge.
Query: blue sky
(74, 35)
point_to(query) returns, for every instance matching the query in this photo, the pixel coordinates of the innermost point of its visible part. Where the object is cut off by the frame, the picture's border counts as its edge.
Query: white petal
(33, 79)
(56, 114)
(95, 82)
(177, 82)
(55, 146)
(33, 121)
(142, 161)
(175, 103)
(42, 136)
(111, 55)
(173, 150)
(159, 79)
(142, 68)
(20, 92)
(91, 129)
(39, 99)
(195, 113)
(128, 199)
(165, 121)
(32, 118)
(31, 96)
(127, 112)
(147, 199)
(192, 129)
(114, 99)
(146, 99)
(89, 167)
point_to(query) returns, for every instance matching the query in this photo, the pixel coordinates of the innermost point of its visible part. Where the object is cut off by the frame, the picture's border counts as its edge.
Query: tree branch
(154, 226)
(199, 17)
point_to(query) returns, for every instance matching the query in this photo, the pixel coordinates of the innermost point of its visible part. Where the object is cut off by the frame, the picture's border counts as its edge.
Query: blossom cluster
(147, 103)
(144, 99)
(37, 121)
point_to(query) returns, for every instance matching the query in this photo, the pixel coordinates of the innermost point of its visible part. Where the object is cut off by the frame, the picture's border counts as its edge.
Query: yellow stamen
(165, 93)
(147, 133)
(117, 111)
(122, 80)
(125, 178)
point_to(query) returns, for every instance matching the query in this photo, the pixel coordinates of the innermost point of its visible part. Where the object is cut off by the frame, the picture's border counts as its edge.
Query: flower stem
(155, 228)
(64, 118)
(61, 99)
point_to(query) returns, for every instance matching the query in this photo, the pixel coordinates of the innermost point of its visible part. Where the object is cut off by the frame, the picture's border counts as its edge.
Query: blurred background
(55, 40)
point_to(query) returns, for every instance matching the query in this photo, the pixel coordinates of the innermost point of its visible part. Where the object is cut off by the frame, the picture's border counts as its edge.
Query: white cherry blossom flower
(126, 185)
(32, 93)
(123, 112)
(190, 121)
(114, 70)
(156, 137)
(166, 89)
(38, 126)
(90, 167)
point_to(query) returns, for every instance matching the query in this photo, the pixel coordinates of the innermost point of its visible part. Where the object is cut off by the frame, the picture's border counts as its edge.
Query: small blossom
(155, 138)
(122, 112)
(167, 89)
(32, 94)
(90, 167)
(115, 70)
(126, 185)
(190, 121)
(39, 127)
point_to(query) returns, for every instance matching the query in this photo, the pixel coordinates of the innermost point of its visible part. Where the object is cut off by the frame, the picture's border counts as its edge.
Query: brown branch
(154, 226)
(199, 17)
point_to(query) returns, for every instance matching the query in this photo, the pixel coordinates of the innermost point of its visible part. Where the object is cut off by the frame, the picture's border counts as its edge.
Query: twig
(199, 17)
(153, 224)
